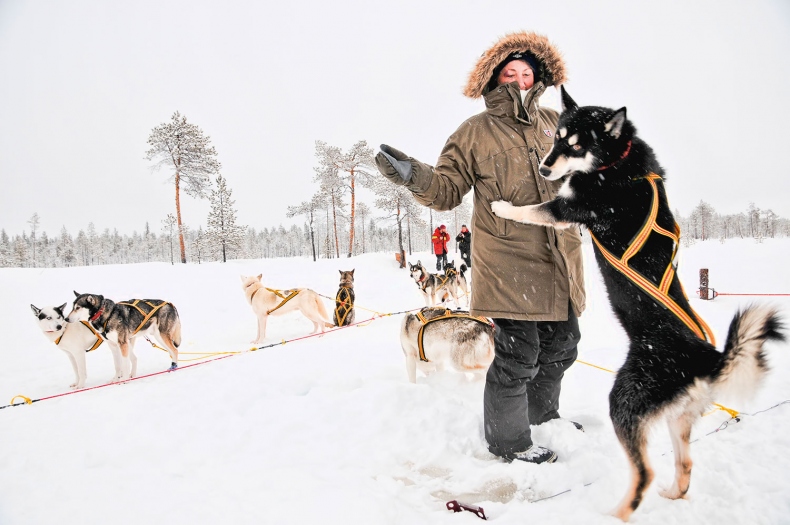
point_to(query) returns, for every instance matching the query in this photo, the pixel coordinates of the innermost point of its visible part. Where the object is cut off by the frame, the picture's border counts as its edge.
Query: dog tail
(177, 333)
(743, 363)
(462, 268)
(323, 313)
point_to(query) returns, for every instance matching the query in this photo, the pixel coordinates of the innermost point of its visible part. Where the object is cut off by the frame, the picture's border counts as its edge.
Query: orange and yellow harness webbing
(285, 299)
(146, 316)
(448, 314)
(343, 305)
(87, 325)
(660, 292)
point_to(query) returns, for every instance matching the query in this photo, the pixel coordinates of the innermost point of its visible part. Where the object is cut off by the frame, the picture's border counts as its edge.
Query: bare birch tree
(309, 209)
(350, 168)
(183, 148)
(332, 190)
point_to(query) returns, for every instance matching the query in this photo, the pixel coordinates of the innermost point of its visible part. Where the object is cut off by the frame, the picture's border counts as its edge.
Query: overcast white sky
(82, 83)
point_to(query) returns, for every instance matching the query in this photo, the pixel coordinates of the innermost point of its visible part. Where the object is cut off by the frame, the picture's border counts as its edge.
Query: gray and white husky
(121, 323)
(450, 339)
(458, 281)
(75, 339)
(435, 288)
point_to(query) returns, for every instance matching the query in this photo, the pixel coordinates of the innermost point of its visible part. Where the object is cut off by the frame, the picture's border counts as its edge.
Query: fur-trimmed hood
(552, 65)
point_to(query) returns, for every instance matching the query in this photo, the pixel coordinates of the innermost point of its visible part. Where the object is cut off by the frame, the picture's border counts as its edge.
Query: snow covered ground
(328, 429)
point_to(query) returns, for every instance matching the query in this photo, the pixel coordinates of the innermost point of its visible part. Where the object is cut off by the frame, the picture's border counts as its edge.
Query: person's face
(517, 71)
(463, 229)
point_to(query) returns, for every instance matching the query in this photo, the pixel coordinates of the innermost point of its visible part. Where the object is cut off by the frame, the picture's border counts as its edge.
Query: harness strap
(285, 299)
(146, 316)
(87, 324)
(659, 293)
(99, 339)
(344, 305)
(448, 314)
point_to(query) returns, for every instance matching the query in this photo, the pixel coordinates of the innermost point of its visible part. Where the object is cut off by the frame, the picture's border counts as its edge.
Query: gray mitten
(394, 165)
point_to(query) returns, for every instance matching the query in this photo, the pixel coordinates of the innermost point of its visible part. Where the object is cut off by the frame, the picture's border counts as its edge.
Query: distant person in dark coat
(464, 240)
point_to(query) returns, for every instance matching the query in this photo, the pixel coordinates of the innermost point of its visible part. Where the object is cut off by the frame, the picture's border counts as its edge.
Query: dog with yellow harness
(437, 338)
(269, 301)
(75, 339)
(614, 185)
(121, 323)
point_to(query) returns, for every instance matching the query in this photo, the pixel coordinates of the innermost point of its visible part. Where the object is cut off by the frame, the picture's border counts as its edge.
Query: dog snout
(58, 326)
(544, 171)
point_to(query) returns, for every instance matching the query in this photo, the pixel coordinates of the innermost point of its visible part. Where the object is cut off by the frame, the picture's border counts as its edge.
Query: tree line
(336, 222)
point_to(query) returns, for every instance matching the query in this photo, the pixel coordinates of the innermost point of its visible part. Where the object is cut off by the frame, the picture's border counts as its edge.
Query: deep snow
(328, 429)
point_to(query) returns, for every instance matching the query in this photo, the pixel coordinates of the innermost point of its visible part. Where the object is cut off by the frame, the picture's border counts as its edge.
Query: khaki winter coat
(519, 271)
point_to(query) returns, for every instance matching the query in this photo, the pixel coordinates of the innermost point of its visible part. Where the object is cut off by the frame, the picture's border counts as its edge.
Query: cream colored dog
(267, 301)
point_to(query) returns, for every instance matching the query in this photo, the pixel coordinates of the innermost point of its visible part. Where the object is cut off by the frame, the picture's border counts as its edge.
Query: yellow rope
(732, 412)
(27, 400)
(595, 366)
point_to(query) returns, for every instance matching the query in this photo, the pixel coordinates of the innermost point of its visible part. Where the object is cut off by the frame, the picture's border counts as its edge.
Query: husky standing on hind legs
(615, 187)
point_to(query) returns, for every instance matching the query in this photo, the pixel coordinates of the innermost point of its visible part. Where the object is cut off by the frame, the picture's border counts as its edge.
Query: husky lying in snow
(75, 339)
(615, 188)
(438, 338)
(266, 302)
(121, 323)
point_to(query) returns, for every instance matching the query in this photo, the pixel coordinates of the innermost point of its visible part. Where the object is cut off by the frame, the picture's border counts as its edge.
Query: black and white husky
(121, 323)
(75, 339)
(435, 288)
(615, 188)
(458, 281)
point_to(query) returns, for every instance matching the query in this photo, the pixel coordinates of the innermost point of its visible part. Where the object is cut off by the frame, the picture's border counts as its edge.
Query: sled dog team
(614, 187)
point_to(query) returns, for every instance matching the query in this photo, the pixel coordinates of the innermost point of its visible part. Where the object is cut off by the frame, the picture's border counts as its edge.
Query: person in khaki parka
(528, 278)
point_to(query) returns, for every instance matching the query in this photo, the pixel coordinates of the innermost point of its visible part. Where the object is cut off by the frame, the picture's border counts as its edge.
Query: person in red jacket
(439, 239)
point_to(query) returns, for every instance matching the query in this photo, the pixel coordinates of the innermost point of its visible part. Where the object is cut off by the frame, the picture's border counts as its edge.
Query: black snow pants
(523, 382)
(465, 257)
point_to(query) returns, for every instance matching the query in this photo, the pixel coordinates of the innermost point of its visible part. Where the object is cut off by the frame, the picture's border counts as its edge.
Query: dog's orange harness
(344, 305)
(285, 299)
(448, 314)
(660, 292)
(146, 316)
(87, 325)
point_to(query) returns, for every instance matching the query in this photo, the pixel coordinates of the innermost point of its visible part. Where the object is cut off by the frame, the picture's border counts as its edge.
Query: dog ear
(615, 125)
(36, 310)
(242, 277)
(341, 272)
(567, 102)
(260, 276)
(60, 308)
(76, 294)
(352, 273)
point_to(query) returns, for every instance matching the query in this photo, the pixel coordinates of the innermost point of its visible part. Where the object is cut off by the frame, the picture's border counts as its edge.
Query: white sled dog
(75, 339)
(437, 338)
(267, 301)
